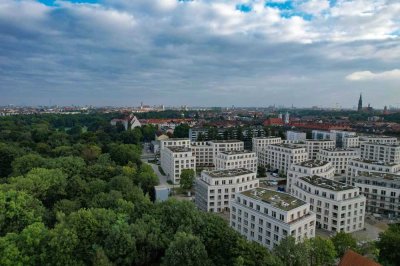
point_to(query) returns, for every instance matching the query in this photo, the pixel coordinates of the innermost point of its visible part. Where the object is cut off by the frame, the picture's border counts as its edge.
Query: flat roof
(234, 152)
(313, 163)
(386, 176)
(175, 139)
(269, 137)
(277, 199)
(226, 141)
(228, 172)
(318, 140)
(374, 162)
(339, 149)
(179, 149)
(326, 183)
(288, 145)
(381, 144)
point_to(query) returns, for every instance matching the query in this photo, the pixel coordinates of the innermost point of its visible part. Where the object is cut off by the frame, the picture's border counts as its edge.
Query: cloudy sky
(200, 52)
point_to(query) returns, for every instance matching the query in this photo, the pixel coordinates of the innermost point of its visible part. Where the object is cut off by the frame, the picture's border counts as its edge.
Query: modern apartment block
(260, 144)
(268, 216)
(225, 145)
(357, 166)
(338, 207)
(175, 159)
(313, 147)
(215, 189)
(336, 135)
(379, 139)
(204, 153)
(351, 142)
(236, 159)
(177, 142)
(295, 135)
(382, 192)
(311, 168)
(380, 152)
(338, 157)
(225, 133)
(282, 156)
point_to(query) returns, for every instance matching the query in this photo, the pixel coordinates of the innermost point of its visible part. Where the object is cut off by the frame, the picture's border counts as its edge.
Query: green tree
(290, 253)
(388, 244)
(25, 163)
(47, 185)
(187, 178)
(7, 155)
(18, 210)
(181, 131)
(186, 249)
(321, 251)
(342, 242)
(124, 153)
(261, 171)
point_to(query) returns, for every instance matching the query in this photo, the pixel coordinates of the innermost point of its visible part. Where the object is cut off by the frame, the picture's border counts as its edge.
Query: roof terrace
(326, 183)
(228, 172)
(276, 199)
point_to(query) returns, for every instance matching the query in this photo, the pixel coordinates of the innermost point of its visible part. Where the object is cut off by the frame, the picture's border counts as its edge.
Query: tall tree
(187, 178)
(186, 249)
(342, 242)
(388, 244)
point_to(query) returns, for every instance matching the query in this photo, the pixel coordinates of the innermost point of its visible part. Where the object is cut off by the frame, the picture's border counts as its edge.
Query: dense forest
(74, 191)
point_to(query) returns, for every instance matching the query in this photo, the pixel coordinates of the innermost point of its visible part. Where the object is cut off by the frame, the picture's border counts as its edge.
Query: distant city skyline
(200, 52)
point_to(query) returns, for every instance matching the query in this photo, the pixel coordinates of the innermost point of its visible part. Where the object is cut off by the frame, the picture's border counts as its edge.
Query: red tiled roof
(351, 258)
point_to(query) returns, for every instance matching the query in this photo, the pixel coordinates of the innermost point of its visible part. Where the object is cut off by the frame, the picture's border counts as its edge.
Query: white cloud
(368, 75)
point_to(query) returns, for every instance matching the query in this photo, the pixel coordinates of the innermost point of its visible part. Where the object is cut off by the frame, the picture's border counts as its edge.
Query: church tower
(360, 103)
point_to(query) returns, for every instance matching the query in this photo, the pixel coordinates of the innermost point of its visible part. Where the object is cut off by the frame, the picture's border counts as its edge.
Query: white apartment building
(380, 152)
(382, 192)
(260, 144)
(379, 139)
(351, 142)
(177, 142)
(268, 216)
(282, 156)
(175, 159)
(204, 153)
(338, 157)
(311, 168)
(357, 166)
(313, 146)
(215, 189)
(236, 159)
(338, 207)
(337, 135)
(295, 135)
(225, 145)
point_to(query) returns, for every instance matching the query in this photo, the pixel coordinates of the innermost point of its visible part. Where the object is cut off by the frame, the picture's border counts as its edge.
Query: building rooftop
(326, 183)
(228, 172)
(387, 176)
(200, 143)
(269, 137)
(289, 146)
(277, 199)
(176, 139)
(226, 141)
(319, 140)
(236, 152)
(179, 149)
(313, 163)
(374, 162)
(381, 144)
(339, 149)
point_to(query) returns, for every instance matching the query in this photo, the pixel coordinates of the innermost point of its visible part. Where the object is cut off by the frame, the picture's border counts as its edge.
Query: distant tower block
(287, 120)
